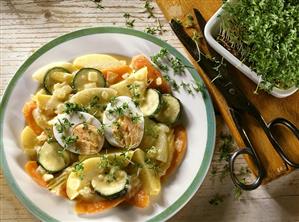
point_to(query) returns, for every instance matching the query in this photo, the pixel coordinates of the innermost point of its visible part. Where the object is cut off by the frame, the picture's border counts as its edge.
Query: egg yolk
(126, 132)
(88, 138)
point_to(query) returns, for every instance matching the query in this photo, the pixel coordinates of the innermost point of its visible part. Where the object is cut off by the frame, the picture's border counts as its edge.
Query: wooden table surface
(28, 24)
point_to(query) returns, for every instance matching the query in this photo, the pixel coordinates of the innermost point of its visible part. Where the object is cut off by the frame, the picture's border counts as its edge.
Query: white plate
(199, 120)
(211, 31)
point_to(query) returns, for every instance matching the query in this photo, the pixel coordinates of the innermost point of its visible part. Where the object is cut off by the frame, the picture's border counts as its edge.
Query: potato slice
(97, 61)
(28, 138)
(28, 142)
(84, 97)
(139, 78)
(150, 179)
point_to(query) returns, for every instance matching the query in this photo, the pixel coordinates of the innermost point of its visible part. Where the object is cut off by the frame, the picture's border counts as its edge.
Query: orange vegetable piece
(114, 74)
(140, 61)
(62, 191)
(27, 111)
(30, 168)
(180, 143)
(140, 199)
(96, 206)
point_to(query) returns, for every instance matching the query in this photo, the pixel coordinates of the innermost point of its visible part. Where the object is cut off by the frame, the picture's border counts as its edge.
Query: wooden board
(269, 106)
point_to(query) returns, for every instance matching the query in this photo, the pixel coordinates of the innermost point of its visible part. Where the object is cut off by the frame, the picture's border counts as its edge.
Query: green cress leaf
(265, 36)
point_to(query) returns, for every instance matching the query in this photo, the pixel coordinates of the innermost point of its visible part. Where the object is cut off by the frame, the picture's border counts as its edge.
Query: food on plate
(101, 132)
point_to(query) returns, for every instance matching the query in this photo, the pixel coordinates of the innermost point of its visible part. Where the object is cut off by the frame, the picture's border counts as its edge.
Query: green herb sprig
(216, 199)
(70, 108)
(149, 9)
(69, 140)
(78, 169)
(128, 21)
(158, 29)
(99, 4)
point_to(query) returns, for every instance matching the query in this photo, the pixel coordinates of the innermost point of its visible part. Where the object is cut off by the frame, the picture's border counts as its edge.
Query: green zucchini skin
(81, 78)
(170, 111)
(119, 184)
(53, 158)
(114, 196)
(48, 82)
(153, 103)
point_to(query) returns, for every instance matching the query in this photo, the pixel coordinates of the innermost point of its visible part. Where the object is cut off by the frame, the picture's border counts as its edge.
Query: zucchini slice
(53, 158)
(152, 103)
(51, 76)
(170, 110)
(111, 185)
(88, 76)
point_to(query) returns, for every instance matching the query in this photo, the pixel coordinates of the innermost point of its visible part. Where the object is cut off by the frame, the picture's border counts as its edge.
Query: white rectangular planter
(211, 31)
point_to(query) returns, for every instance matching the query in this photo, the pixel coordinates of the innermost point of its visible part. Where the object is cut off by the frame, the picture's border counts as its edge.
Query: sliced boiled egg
(124, 123)
(79, 132)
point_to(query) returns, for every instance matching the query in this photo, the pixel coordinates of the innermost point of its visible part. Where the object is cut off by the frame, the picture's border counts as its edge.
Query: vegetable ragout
(101, 132)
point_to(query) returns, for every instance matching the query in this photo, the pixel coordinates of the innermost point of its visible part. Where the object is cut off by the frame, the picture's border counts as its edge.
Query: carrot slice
(96, 206)
(140, 61)
(180, 143)
(114, 74)
(30, 168)
(140, 199)
(62, 191)
(27, 111)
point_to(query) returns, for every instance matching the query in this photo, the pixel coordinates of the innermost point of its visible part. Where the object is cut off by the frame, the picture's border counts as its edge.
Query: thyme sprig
(99, 4)
(149, 9)
(128, 21)
(158, 29)
(216, 199)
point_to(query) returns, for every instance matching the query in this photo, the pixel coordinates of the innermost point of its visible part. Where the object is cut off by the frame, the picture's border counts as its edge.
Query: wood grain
(26, 25)
(269, 106)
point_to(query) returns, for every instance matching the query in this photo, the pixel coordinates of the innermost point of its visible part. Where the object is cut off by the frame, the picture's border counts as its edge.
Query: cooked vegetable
(149, 177)
(170, 111)
(85, 96)
(264, 35)
(55, 75)
(112, 184)
(28, 108)
(97, 61)
(179, 150)
(96, 206)
(29, 141)
(116, 74)
(141, 199)
(134, 86)
(31, 169)
(39, 75)
(87, 170)
(53, 158)
(155, 78)
(88, 78)
(152, 102)
(68, 120)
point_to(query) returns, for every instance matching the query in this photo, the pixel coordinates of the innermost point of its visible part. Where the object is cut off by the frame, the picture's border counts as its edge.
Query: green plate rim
(200, 175)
